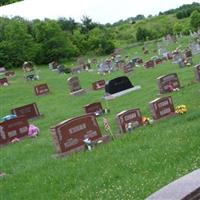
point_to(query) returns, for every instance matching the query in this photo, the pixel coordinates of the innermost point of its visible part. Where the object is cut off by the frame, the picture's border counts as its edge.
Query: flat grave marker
(168, 82)
(68, 136)
(74, 86)
(13, 128)
(130, 118)
(30, 111)
(162, 107)
(41, 89)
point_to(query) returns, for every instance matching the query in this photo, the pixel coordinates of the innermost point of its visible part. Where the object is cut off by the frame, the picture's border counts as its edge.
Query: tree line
(43, 41)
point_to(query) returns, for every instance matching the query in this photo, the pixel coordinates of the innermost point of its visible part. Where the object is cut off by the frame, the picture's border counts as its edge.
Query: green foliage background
(43, 41)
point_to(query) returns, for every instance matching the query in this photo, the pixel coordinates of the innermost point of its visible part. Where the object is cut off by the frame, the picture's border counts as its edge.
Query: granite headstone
(131, 117)
(30, 111)
(41, 89)
(162, 107)
(74, 86)
(13, 128)
(167, 81)
(68, 136)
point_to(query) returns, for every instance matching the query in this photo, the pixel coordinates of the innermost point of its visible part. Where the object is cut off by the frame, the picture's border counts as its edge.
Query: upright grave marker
(13, 128)
(74, 85)
(10, 74)
(149, 64)
(184, 188)
(2, 70)
(30, 111)
(197, 72)
(41, 89)
(68, 136)
(119, 86)
(162, 107)
(3, 81)
(130, 118)
(168, 82)
(98, 85)
(128, 68)
(94, 108)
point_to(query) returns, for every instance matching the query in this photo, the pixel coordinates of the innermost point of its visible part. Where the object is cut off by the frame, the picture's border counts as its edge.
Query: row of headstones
(69, 135)
(31, 111)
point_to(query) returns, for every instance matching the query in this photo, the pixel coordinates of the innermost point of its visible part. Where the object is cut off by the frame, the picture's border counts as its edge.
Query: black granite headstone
(117, 85)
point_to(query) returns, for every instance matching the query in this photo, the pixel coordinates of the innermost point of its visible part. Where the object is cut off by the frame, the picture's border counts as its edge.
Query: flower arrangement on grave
(181, 109)
(33, 131)
(146, 120)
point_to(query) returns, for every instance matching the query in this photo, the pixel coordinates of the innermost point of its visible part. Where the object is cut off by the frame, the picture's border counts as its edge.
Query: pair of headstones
(160, 108)
(18, 127)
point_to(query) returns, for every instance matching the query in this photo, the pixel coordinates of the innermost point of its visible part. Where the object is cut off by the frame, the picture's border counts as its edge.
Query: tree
(17, 45)
(195, 20)
(67, 24)
(141, 34)
(177, 28)
(54, 43)
(100, 42)
(6, 2)
(139, 17)
(87, 24)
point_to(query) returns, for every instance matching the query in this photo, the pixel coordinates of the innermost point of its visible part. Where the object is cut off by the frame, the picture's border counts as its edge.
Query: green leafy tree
(100, 42)
(177, 28)
(195, 20)
(87, 25)
(67, 24)
(6, 2)
(17, 45)
(141, 34)
(54, 43)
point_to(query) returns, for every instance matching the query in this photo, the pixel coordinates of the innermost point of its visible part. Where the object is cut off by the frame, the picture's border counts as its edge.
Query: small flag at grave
(106, 124)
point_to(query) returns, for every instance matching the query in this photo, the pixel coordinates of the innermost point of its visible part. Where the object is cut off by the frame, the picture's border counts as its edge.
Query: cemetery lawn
(130, 167)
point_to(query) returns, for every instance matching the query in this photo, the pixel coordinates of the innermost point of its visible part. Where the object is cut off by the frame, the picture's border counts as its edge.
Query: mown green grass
(130, 167)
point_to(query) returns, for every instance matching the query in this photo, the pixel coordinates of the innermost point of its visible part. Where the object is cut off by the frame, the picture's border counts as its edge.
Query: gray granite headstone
(184, 188)
(74, 85)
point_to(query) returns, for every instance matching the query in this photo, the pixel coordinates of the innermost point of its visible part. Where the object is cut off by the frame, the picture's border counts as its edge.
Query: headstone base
(79, 92)
(104, 139)
(165, 117)
(108, 97)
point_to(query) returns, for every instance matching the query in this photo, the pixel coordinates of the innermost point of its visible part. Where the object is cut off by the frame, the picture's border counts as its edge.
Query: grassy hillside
(131, 167)
(125, 33)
